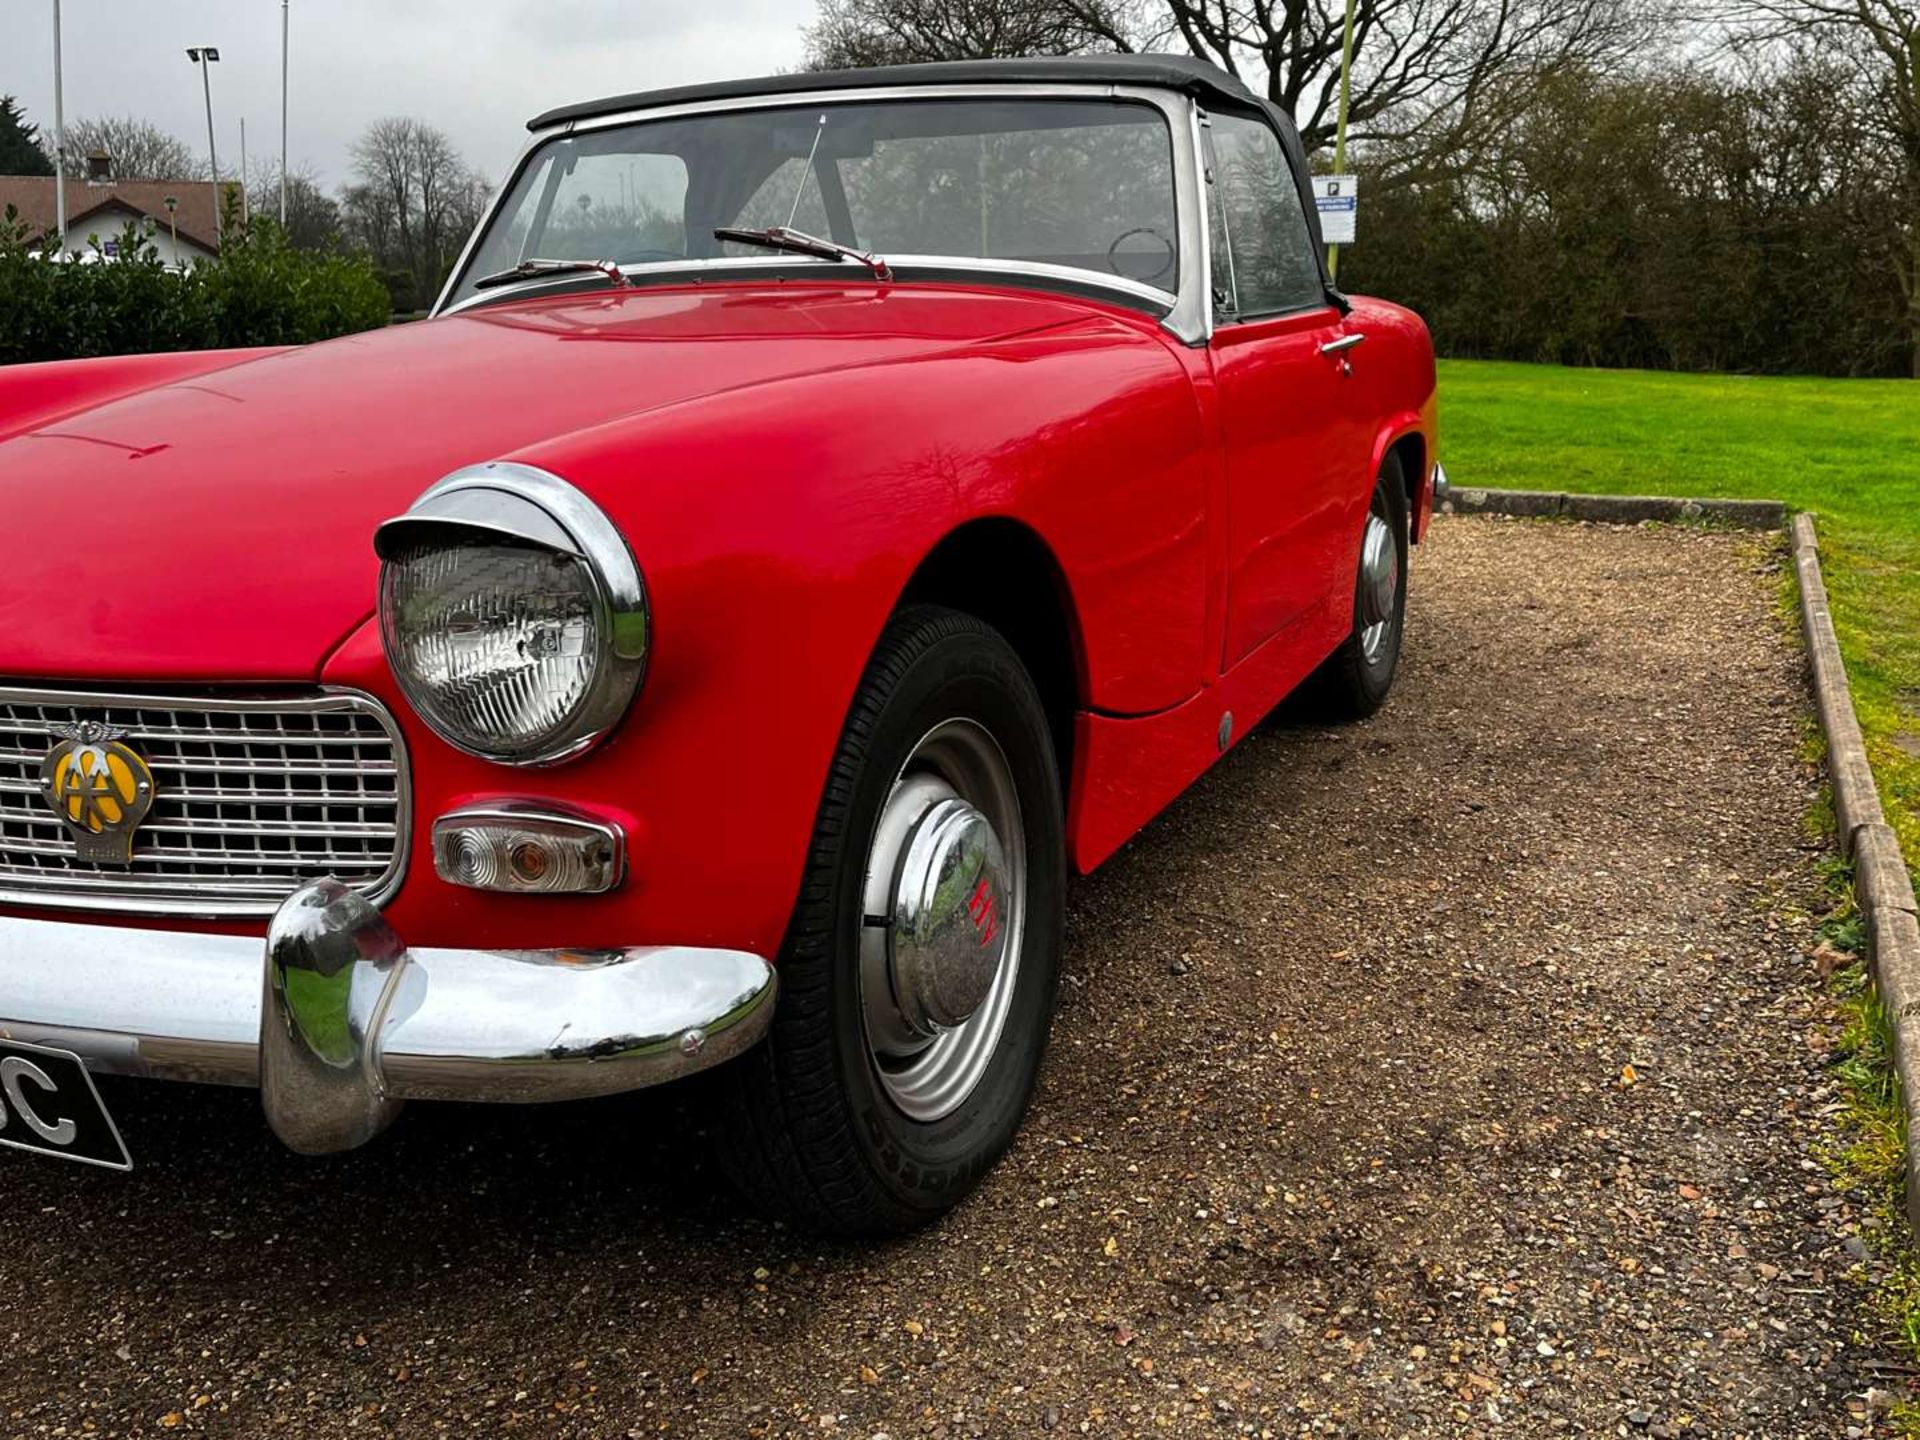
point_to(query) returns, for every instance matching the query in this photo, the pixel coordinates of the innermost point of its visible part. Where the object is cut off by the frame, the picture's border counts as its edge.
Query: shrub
(260, 292)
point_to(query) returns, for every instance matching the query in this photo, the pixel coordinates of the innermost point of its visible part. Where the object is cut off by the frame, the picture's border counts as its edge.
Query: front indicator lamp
(528, 850)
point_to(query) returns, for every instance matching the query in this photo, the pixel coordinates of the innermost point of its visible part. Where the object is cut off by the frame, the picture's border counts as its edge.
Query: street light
(173, 228)
(203, 55)
(283, 114)
(59, 144)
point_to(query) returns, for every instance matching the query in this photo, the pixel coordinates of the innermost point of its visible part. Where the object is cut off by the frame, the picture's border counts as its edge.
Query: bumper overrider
(338, 1022)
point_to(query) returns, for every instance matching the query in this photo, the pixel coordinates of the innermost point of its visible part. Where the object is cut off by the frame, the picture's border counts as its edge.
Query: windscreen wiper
(527, 269)
(781, 237)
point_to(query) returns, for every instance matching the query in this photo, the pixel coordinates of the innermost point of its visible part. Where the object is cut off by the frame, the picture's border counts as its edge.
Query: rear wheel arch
(1411, 450)
(1001, 571)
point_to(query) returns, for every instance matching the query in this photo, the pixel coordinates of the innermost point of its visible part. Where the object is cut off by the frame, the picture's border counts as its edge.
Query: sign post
(1340, 147)
(1337, 198)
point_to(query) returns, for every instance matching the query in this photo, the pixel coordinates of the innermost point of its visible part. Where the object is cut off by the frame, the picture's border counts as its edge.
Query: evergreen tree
(20, 152)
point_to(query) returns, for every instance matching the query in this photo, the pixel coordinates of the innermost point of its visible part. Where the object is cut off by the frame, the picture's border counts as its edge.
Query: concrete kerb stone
(1622, 509)
(1614, 509)
(1534, 504)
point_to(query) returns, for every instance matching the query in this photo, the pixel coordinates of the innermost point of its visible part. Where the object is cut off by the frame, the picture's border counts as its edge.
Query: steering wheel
(1126, 235)
(635, 257)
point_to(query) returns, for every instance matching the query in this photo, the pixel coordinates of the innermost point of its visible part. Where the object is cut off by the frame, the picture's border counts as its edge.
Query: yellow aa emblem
(100, 789)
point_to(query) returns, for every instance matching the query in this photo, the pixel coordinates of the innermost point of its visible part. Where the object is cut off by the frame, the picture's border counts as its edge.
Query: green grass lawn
(1847, 450)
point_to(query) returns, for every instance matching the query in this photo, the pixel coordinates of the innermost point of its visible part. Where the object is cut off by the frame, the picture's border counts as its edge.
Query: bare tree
(440, 175)
(313, 216)
(1879, 40)
(140, 150)
(413, 201)
(466, 203)
(383, 200)
(852, 33)
(1432, 70)
(367, 221)
(1435, 72)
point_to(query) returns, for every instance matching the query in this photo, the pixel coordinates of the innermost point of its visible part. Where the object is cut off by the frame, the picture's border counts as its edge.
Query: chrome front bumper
(338, 1022)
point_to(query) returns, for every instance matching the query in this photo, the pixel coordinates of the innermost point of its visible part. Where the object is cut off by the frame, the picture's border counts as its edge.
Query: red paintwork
(781, 457)
(37, 395)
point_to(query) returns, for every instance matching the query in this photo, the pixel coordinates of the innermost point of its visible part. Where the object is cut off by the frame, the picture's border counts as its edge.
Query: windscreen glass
(1086, 184)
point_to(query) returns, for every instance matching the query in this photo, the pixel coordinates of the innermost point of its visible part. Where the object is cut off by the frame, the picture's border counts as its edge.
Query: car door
(1294, 441)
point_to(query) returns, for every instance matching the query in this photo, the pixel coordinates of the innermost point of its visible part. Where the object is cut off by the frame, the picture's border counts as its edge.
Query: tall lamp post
(283, 114)
(59, 144)
(203, 55)
(173, 228)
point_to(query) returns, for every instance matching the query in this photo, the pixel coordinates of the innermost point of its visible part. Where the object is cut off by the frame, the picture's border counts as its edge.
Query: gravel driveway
(1455, 1073)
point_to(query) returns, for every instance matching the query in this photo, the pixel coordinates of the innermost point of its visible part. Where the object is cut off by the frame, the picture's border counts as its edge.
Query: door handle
(1342, 345)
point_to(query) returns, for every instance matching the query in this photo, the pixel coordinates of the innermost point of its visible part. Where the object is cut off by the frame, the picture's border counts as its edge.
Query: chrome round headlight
(514, 616)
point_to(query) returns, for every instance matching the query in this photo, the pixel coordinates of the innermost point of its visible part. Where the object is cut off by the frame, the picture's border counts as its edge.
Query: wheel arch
(1408, 445)
(1000, 570)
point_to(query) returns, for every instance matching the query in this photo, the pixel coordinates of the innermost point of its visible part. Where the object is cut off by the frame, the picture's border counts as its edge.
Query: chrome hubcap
(944, 906)
(1379, 585)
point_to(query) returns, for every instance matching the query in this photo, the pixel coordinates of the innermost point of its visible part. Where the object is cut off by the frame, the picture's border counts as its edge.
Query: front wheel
(917, 979)
(1354, 681)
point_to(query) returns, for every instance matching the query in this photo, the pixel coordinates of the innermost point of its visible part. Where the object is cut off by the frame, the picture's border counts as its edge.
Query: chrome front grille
(251, 797)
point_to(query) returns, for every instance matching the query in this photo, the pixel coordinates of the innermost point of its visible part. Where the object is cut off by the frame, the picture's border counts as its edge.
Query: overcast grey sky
(479, 69)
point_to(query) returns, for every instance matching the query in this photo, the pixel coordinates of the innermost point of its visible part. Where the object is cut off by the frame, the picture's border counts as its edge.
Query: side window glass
(1263, 260)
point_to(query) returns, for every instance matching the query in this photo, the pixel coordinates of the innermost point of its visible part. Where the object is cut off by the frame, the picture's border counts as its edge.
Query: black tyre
(917, 978)
(1354, 680)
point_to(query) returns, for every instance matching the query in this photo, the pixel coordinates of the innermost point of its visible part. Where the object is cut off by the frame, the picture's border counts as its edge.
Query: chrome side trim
(539, 507)
(1190, 316)
(201, 897)
(336, 1019)
(1191, 320)
(1203, 154)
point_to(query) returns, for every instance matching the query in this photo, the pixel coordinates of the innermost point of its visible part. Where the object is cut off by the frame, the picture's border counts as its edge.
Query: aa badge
(100, 789)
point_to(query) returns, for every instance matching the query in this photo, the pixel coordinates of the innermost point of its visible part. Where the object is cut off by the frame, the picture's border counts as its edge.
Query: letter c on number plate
(12, 1071)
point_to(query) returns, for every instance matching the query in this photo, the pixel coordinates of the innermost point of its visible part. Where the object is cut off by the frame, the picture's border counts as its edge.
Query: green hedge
(260, 292)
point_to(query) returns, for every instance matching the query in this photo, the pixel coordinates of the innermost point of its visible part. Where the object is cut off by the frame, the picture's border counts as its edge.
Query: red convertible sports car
(820, 512)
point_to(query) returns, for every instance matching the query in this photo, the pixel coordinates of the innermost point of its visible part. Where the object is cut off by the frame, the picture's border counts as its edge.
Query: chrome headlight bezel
(525, 505)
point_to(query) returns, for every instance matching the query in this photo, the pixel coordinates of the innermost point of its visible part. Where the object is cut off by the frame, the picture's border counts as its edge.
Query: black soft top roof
(1172, 72)
(1207, 83)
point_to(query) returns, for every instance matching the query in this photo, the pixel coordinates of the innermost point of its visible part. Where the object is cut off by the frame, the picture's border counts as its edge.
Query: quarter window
(1263, 260)
(585, 201)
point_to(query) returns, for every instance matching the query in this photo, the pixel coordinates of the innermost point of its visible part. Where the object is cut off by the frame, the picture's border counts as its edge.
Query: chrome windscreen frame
(211, 898)
(1187, 311)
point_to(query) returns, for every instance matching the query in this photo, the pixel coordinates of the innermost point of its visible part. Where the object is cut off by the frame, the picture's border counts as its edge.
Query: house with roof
(100, 209)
